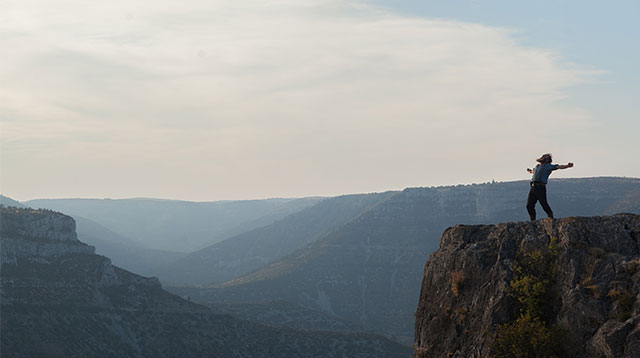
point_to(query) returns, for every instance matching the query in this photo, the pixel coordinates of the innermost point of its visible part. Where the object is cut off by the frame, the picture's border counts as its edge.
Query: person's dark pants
(538, 192)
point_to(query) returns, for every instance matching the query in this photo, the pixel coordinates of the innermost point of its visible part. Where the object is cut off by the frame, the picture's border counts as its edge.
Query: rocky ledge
(38, 235)
(566, 287)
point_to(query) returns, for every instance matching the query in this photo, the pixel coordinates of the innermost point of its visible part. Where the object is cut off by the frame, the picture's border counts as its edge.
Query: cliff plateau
(589, 304)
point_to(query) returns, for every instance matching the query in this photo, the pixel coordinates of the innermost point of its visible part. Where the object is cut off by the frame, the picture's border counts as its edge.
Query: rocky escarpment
(44, 265)
(38, 235)
(59, 299)
(473, 284)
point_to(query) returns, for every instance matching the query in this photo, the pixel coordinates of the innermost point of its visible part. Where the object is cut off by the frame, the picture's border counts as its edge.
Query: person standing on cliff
(538, 191)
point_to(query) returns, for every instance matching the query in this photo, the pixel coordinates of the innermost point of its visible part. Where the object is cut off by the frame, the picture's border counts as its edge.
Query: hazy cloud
(264, 98)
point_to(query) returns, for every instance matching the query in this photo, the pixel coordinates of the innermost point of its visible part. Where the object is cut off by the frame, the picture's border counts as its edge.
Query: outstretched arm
(569, 165)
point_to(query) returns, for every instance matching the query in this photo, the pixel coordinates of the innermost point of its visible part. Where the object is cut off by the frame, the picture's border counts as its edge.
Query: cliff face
(468, 287)
(41, 235)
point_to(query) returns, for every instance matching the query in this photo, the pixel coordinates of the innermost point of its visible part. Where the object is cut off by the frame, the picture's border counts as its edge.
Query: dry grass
(625, 299)
(615, 293)
(597, 252)
(631, 266)
(593, 289)
(457, 279)
(447, 311)
(461, 313)
(589, 286)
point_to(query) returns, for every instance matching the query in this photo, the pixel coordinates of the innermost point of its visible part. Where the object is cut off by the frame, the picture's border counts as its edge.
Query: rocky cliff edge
(567, 287)
(37, 235)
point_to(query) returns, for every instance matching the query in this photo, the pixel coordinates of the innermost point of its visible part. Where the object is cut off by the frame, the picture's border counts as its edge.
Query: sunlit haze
(211, 100)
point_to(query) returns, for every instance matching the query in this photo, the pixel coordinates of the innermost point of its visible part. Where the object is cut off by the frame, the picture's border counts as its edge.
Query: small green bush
(530, 335)
(534, 273)
(625, 303)
(527, 337)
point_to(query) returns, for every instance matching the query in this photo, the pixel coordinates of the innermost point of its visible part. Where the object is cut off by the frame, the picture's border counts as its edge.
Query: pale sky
(220, 99)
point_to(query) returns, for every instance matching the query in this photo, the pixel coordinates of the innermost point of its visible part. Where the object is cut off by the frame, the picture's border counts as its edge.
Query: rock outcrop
(38, 235)
(467, 288)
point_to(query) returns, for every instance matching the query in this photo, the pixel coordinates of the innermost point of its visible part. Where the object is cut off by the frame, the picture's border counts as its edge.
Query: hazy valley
(338, 265)
(59, 299)
(322, 179)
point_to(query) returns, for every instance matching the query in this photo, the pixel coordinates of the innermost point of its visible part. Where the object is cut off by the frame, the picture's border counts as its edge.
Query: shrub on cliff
(527, 337)
(531, 335)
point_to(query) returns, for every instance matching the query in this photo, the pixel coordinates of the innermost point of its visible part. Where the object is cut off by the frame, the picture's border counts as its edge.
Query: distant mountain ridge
(252, 250)
(366, 268)
(370, 269)
(7, 201)
(59, 299)
(172, 225)
(123, 251)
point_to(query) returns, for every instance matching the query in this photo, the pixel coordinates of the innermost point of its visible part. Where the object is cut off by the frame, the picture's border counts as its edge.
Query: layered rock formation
(59, 299)
(468, 289)
(38, 235)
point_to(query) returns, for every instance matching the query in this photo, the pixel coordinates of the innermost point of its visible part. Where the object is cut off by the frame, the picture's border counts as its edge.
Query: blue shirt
(542, 171)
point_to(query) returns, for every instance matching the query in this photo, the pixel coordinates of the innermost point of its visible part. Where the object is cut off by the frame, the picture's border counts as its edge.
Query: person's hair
(545, 158)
